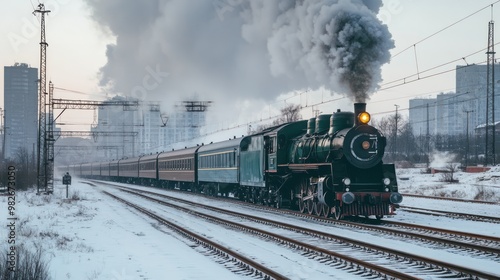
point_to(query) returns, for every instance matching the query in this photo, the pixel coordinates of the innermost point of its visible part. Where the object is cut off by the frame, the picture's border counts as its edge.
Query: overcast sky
(79, 32)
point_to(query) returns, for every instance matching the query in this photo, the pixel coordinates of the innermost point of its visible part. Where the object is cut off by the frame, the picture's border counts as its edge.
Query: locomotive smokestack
(358, 109)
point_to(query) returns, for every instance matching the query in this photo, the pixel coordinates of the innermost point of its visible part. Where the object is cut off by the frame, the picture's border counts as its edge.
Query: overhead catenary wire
(445, 28)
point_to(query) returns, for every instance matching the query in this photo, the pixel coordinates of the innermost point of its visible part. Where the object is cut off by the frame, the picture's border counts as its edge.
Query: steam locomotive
(330, 165)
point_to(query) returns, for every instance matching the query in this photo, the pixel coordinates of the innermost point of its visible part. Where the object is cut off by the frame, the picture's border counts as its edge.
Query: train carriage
(96, 169)
(218, 165)
(113, 168)
(86, 169)
(147, 168)
(177, 168)
(74, 169)
(105, 169)
(128, 169)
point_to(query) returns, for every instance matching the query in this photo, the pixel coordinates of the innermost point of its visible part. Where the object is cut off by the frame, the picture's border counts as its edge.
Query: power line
(406, 80)
(443, 29)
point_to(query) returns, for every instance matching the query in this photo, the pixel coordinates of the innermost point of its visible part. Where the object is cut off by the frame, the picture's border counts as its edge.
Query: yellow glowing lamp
(365, 145)
(364, 117)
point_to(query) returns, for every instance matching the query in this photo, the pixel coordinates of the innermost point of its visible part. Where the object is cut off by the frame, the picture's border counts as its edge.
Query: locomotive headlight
(386, 181)
(346, 181)
(364, 117)
(365, 145)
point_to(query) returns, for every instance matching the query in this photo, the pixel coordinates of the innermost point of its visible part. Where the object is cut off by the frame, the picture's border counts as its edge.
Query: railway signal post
(67, 182)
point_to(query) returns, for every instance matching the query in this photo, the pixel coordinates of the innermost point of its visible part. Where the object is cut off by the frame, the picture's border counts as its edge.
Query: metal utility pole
(489, 154)
(396, 133)
(49, 140)
(428, 138)
(467, 145)
(42, 147)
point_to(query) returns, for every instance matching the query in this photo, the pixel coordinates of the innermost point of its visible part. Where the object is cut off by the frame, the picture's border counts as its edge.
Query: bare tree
(26, 176)
(289, 113)
(401, 142)
(451, 169)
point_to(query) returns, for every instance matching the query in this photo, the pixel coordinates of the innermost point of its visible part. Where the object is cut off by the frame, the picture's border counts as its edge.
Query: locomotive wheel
(325, 211)
(310, 206)
(338, 213)
(302, 192)
(302, 206)
(318, 208)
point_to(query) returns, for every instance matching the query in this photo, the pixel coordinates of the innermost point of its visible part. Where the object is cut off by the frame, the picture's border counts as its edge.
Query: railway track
(457, 215)
(425, 264)
(488, 246)
(244, 264)
(450, 199)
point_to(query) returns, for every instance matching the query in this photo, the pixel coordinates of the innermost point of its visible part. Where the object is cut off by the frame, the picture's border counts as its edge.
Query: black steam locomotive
(329, 165)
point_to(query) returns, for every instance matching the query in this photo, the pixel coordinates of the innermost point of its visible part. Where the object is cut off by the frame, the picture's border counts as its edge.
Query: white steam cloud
(242, 50)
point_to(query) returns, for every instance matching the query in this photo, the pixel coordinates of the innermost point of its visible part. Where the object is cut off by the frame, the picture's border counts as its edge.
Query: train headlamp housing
(364, 117)
(386, 181)
(346, 181)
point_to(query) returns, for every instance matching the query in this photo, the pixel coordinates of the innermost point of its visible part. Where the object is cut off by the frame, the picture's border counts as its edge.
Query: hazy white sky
(77, 49)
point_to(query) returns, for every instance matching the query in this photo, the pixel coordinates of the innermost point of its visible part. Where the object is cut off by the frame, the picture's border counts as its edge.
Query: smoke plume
(240, 49)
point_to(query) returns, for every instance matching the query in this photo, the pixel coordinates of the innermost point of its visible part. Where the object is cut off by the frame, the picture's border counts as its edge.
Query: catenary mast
(42, 144)
(489, 156)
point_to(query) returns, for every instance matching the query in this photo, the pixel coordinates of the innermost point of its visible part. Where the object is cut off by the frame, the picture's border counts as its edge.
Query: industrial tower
(43, 183)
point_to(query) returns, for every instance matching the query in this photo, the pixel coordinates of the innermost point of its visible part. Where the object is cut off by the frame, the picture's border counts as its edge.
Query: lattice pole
(489, 155)
(49, 139)
(42, 145)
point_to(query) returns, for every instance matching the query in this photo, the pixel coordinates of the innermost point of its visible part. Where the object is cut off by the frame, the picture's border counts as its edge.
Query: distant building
(144, 130)
(471, 85)
(451, 113)
(448, 113)
(184, 124)
(21, 109)
(134, 130)
(149, 131)
(422, 115)
(122, 124)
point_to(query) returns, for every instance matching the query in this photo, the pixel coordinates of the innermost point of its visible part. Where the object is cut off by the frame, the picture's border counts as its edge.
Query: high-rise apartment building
(21, 109)
(471, 86)
(423, 116)
(449, 113)
(184, 124)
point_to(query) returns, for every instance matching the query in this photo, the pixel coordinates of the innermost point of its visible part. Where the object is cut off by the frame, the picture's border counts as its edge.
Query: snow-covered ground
(93, 236)
(478, 186)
